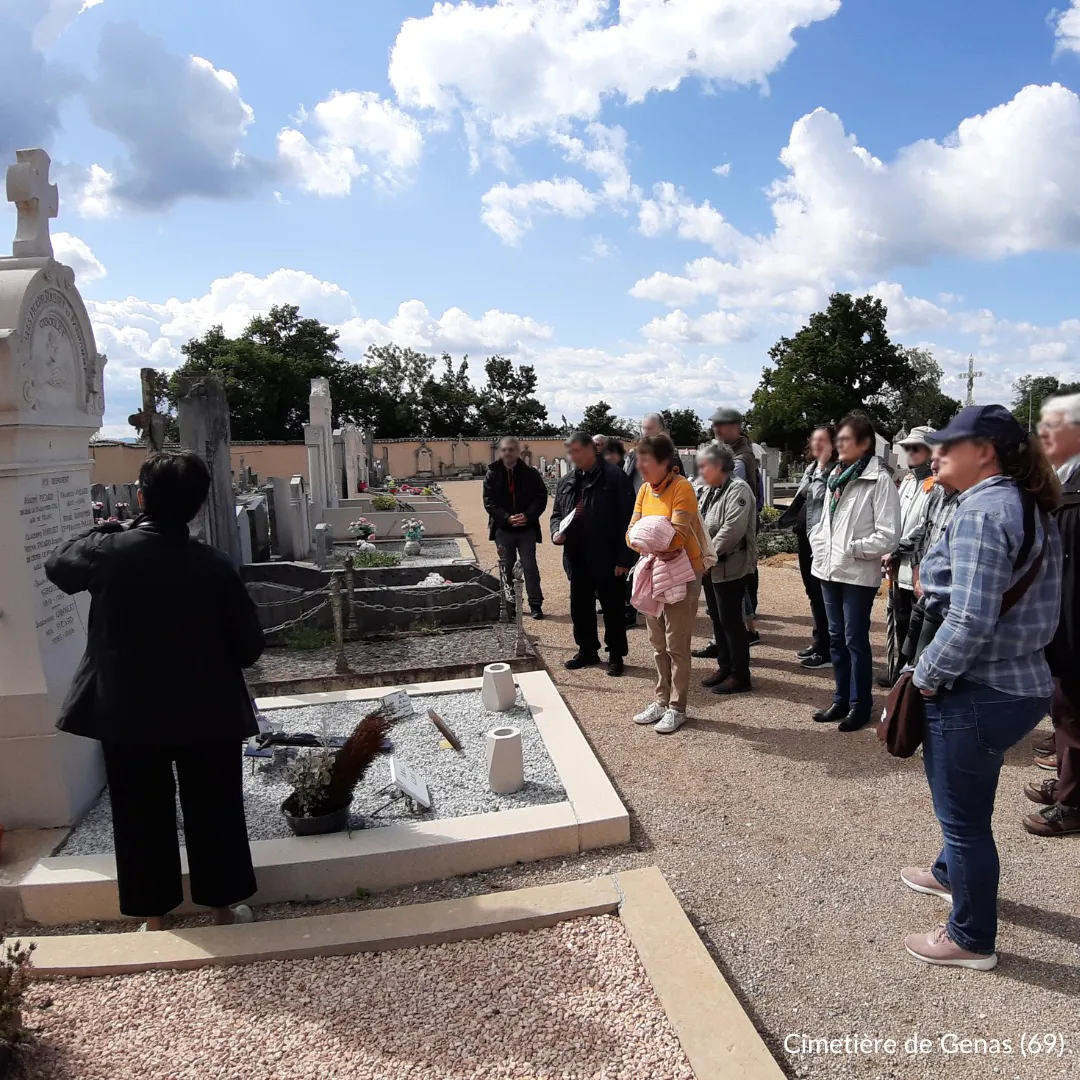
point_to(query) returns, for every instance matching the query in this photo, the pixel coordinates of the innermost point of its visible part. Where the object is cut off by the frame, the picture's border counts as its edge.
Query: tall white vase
(506, 763)
(499, 692)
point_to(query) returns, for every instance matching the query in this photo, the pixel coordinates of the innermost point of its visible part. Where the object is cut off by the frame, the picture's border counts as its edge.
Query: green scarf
(840, 480)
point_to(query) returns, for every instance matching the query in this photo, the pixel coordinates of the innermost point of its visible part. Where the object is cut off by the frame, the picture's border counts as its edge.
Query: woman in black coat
(161, 684)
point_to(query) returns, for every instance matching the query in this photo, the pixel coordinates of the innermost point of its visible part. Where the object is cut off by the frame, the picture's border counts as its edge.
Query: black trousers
(143, 794)
(585, 590)
(724, 599)
(812, 585)
(514, 544)
(901, 601)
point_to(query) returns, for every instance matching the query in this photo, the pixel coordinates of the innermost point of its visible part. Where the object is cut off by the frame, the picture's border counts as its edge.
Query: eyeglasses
(1045, 426)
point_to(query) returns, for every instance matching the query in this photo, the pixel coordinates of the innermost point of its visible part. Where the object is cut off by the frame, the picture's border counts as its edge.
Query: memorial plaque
(411, 784)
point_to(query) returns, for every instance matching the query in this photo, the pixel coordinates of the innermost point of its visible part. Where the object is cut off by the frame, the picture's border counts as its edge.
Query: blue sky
(638, 198)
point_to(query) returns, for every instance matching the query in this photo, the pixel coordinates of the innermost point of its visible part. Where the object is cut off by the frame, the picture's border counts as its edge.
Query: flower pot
(412, 547)
(506, 762)
(499, 692)
(336, 821)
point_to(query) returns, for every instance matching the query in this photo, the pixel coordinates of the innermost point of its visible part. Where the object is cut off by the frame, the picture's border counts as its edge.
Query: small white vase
(412, 547)
(499, 693)
(506, 763)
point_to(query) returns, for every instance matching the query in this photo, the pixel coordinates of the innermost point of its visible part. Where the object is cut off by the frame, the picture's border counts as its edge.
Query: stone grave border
(713, 1029)
(70, 889)
(438, 524)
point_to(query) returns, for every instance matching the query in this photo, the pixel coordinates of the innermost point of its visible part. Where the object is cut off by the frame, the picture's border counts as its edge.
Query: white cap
(919, 436)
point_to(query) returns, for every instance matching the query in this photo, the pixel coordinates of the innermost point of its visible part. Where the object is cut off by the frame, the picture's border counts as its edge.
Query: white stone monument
(319, 438)
(355, 459)
(51, 402)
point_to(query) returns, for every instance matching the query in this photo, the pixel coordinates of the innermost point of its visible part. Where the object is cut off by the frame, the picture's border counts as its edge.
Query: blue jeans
(968, 729)
(848, 608)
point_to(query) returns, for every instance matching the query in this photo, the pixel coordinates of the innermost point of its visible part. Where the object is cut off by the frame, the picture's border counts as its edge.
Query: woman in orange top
(666, 493)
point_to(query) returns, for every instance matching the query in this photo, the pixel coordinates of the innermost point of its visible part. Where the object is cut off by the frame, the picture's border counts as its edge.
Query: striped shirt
(964, 579)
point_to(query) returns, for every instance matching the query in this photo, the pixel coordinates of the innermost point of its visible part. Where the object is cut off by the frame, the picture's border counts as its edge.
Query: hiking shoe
(802, 654)
(1045, 791)
(1049, 762)
(653, 713)
(734, 684)
(582, 660)
(923, 881)
(936, 947)
(1056, 820)
(815, 660)
(716, 678)
(706, 652)
(1045, 746)
(616, 667)
(671, 721)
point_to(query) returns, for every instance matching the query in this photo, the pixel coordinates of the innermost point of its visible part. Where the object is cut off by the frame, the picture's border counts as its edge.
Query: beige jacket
(848, 545)
(730, 515)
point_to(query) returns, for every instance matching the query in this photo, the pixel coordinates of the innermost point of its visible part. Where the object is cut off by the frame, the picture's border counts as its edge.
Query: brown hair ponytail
(1029, 466)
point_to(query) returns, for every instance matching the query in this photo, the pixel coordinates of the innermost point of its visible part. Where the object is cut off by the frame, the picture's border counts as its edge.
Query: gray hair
(658, 417)
(718, 454)
(509, 440)
(1067, 405)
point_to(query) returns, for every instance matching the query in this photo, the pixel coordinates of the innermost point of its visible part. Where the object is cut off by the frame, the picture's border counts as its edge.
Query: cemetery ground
(782, 841)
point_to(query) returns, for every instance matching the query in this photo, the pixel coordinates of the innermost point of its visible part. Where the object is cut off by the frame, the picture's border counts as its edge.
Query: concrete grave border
(70, 889)
(715, 1033)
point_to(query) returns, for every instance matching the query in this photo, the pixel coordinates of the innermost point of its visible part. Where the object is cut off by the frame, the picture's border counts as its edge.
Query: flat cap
(726, 416)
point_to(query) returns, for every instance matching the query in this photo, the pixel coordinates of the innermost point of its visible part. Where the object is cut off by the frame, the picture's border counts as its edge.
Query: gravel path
(457, 782)
(571, 1002)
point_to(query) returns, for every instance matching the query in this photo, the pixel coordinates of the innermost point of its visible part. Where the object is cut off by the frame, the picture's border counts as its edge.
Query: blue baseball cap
(981, 422)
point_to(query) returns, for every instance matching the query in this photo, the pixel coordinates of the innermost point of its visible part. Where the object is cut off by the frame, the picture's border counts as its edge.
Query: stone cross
(36, 200)
(972, 375)
(149, 423)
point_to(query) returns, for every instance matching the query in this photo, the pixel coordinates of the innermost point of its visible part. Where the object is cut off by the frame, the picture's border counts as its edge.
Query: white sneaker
(653, 713)
(671, 721)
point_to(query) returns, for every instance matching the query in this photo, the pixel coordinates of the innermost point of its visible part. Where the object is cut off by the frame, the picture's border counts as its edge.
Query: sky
(638, 197)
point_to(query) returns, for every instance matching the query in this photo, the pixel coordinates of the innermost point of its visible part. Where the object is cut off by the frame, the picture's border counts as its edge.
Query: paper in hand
(567, 522)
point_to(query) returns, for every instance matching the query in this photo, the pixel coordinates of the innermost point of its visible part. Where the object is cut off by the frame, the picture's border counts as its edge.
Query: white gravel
(457, 782)
(571, 1002)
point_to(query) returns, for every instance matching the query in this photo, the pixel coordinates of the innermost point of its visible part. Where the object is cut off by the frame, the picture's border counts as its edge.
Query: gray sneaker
(653, 713)
(671, 721)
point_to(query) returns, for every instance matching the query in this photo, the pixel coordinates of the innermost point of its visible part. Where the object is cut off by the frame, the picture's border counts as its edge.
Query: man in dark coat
(1060, 794)
(171, 629)
(595, 556)
(515, 497)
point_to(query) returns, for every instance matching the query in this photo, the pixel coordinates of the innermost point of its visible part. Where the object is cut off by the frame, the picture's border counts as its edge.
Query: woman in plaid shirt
(985, 681)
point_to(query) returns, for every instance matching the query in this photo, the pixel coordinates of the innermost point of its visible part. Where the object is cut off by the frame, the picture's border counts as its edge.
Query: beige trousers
(670, 634)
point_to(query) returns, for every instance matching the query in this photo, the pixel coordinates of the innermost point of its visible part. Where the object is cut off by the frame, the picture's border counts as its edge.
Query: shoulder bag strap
(1016, 593)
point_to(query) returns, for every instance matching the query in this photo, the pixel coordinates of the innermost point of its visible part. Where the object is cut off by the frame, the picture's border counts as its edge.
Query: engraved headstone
(318, 437)
(51, 402)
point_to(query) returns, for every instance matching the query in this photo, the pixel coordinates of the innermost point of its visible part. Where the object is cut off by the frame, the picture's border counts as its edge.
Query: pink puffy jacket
(657, 582)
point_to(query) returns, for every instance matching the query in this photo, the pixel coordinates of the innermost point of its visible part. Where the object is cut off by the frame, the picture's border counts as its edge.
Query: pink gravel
(571, 1001)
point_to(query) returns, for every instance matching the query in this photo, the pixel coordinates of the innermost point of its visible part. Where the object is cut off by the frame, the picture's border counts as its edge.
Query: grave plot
(434, 554)
(566, 805)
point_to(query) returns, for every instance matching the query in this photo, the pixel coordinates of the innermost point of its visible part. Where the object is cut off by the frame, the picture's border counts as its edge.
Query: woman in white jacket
(860, 523)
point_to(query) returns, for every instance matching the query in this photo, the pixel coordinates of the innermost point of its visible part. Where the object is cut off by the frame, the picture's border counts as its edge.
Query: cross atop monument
(972, 375)
(36, 199)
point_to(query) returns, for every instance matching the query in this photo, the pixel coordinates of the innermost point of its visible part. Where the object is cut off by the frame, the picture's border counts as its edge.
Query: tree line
(842, 359)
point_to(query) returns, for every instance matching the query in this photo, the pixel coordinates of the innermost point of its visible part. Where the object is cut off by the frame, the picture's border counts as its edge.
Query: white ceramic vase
(506, 763)
(412, 547)
(499, 693)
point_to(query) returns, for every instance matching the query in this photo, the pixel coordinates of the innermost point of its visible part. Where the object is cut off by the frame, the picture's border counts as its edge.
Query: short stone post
(350, 586)
(519, 609)
(342, 663)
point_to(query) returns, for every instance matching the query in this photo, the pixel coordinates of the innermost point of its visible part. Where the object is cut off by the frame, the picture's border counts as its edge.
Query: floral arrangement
(362, 528)
(413, 529)
(362, 486)
(382, 503)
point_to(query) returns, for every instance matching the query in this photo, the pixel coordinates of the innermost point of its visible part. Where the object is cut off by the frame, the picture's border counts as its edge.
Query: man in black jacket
(171, 629)
(595, 556)
(1060, 794)
(515, 497)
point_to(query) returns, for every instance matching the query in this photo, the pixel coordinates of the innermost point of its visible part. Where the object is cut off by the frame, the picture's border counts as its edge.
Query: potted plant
(361, 486)
(324, 780)
(414, 535)
(383, 503)
(15, 975)
(361, 528)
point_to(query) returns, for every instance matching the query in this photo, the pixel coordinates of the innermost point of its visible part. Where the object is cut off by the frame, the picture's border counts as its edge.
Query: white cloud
(606, 157)
(521, 67)
(601, 248)
(1067, 28)
(1003, 184)
(181, 120)
(723, 170)
(95, 193)
(57, 17)
(76, 253)
(714, 328)
(360, 131)
(508, 211)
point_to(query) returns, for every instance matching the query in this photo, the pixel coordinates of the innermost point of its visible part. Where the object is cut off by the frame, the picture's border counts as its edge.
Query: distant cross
(972, 375)
(149, 423)
(36, 200)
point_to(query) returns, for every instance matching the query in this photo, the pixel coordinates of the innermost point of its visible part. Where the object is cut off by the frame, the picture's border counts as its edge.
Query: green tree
(266, 371)
(598, 419)
(918, 398)
(685, 427)
(451, 403)
(841, 360)
(386, 392)
(1030, 391)
(508, 402)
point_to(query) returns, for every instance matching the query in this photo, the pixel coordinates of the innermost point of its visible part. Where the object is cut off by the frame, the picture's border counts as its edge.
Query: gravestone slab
(300, 518)
(319, 440)
(51, 402)
(243, 533)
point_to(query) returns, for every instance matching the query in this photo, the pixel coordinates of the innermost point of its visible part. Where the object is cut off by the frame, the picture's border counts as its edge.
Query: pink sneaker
(936, 947)
(915, 877)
